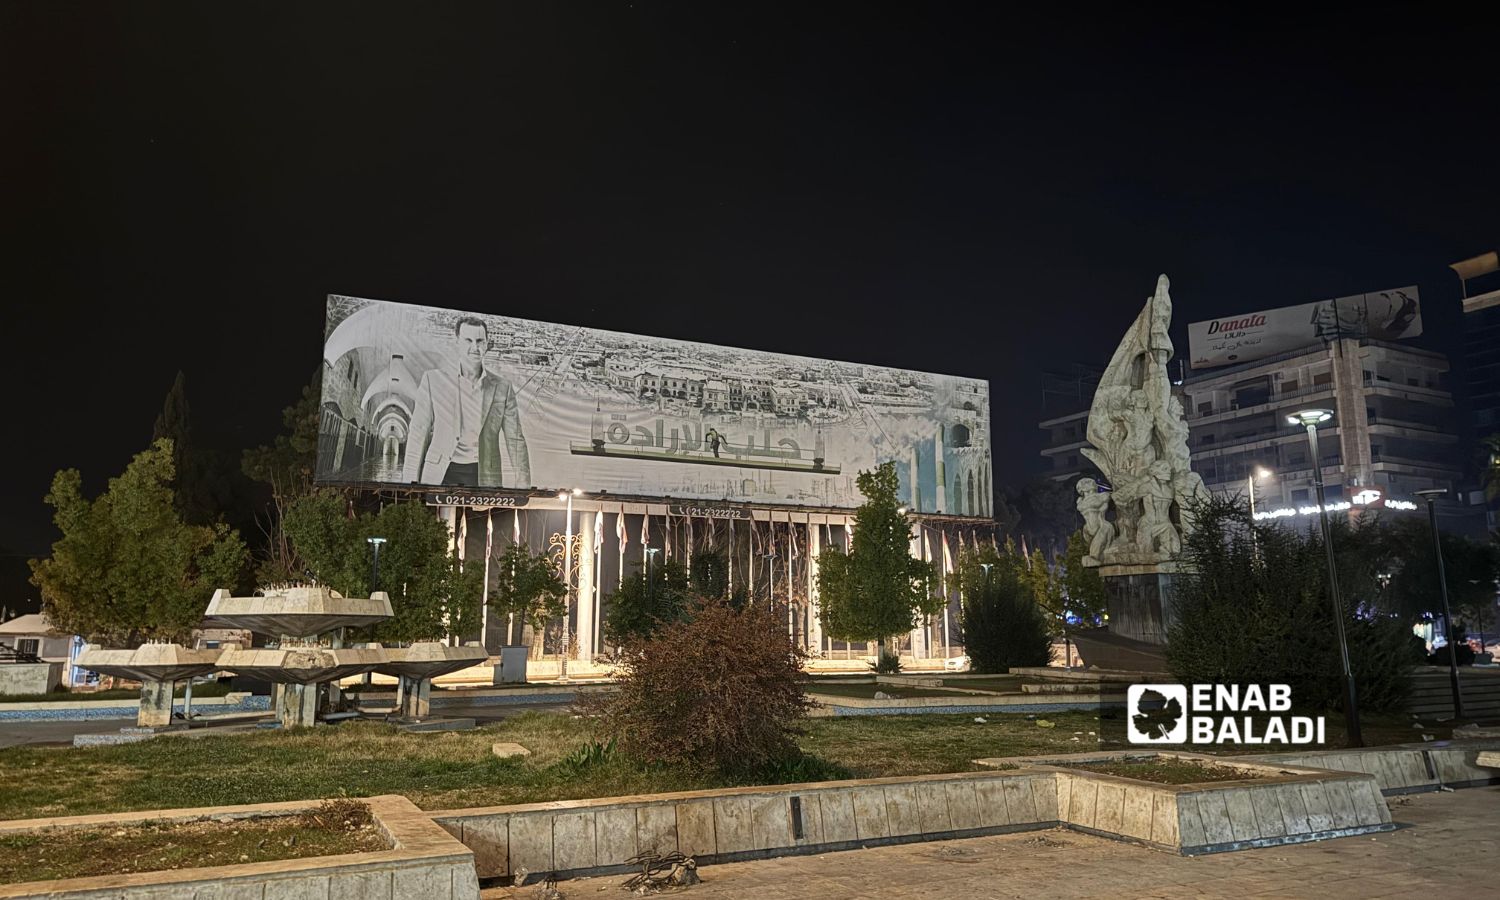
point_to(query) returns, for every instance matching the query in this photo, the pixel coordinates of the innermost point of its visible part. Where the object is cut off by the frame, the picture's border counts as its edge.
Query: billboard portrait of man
(462, 415)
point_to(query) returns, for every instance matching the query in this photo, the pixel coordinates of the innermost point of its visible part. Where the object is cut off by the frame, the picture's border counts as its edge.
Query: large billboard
(472, 403)
(1385, 315)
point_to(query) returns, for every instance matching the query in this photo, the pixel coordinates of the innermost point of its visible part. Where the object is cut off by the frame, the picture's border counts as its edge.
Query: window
(1206, 439)
(1299, 495)
(28, 646)
(1322, 378)
(1205, 408)
(1289, 387)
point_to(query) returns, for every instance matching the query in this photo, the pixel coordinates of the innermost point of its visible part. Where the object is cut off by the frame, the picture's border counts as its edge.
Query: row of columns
(586, 598)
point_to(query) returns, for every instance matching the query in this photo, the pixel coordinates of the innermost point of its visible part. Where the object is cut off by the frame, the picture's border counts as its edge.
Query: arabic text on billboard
(430, 397)
(1385, 315)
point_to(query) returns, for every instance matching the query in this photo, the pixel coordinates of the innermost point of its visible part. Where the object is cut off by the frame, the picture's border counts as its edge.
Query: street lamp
(375, 563)
(1431, 494)
(1259, 472)
(650, 588)
(374, 586)
(567, 635)
(1311, 419)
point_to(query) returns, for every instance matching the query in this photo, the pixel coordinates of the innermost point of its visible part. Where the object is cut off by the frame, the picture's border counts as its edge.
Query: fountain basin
(302, 665)
(429, 659)
(299, 612)
(150, 662)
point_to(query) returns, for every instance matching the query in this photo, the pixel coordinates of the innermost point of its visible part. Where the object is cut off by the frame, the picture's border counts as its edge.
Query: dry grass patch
(332, 828)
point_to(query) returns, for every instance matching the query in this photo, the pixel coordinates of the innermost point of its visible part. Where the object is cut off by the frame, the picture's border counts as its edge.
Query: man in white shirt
(462, 414)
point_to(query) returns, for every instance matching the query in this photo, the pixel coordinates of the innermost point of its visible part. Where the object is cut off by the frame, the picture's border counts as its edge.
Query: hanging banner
(420, 396)
(1243, 337)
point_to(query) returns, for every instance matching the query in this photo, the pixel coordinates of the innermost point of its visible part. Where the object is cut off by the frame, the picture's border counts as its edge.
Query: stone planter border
(424, 862)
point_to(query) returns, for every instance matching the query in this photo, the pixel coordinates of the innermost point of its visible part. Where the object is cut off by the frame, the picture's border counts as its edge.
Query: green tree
(1253, 608)
(644, 604)
(1083, 584)
(128, 568)
(286, 467)
(1404, 552)
(433, 594)
(877, 589)
(711, 574)
(206, 488)
(526, 585)
(1003, 624)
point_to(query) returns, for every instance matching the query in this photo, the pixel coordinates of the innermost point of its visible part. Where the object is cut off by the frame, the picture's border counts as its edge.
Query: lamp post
(374, 542)
(1431, 494)
(567, 634)
(650, 588)
(1310, 419)
(1258, 472)
(375, 563)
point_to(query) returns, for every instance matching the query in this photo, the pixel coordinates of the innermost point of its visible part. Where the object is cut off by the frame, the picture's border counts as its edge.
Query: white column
(919, 633)
(815, 622)
(586, 624)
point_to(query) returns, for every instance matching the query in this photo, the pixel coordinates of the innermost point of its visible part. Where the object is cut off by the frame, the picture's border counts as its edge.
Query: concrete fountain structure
(300, 663)
(158, 667)
(306, 625)
(414, 668)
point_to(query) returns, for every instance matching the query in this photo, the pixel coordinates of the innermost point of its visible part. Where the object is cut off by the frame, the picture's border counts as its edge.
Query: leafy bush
(886, 664)
(644, 604)
(720, 690)
(1003, 625)
(1252, 607)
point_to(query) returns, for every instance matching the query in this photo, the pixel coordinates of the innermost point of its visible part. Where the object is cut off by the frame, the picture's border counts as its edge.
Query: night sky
(969, 190)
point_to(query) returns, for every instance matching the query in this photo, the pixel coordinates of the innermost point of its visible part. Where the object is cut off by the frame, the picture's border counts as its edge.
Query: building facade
(1392, 433)
(1482, 380)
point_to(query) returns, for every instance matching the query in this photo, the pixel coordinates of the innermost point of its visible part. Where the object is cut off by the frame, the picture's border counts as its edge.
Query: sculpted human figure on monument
(1097, 529)
(1140, 442)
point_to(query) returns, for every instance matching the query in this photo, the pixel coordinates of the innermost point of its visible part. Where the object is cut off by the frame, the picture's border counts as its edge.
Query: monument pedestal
(1139, 600)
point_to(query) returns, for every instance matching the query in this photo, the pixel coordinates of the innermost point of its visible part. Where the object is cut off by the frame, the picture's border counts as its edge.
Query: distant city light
(1367, 497)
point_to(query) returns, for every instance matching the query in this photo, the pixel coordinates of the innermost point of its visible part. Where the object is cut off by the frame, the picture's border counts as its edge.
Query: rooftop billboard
(1243, 337)
(468, 403)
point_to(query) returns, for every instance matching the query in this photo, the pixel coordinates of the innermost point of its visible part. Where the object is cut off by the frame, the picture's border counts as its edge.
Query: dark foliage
(644, 603)
(720, 690)
(1003, 625)
(1253, 607)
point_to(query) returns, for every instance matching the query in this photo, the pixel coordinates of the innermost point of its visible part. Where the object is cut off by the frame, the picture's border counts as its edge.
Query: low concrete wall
(595, 836)
(425, 862)
(85, 710)
(1405, 768)
(1274, 805)
(30, 678)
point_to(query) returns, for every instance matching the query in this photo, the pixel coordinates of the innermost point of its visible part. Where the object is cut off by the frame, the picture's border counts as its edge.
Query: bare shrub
(721, 690)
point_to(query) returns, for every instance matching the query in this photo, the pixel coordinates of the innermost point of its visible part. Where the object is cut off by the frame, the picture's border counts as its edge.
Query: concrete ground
(1446, 848)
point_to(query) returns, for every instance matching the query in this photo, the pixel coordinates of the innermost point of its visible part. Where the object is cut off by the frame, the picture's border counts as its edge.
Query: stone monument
(1138, 430)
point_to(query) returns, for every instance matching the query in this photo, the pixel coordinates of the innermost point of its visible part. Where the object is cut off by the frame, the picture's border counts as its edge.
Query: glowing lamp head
(1309, 417)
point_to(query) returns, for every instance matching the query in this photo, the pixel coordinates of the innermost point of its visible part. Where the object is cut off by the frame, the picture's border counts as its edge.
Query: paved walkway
(1449, 850)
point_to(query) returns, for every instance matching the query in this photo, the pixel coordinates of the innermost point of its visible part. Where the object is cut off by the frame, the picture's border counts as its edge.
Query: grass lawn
(205, 689)
(456, 769)
(156, 847)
